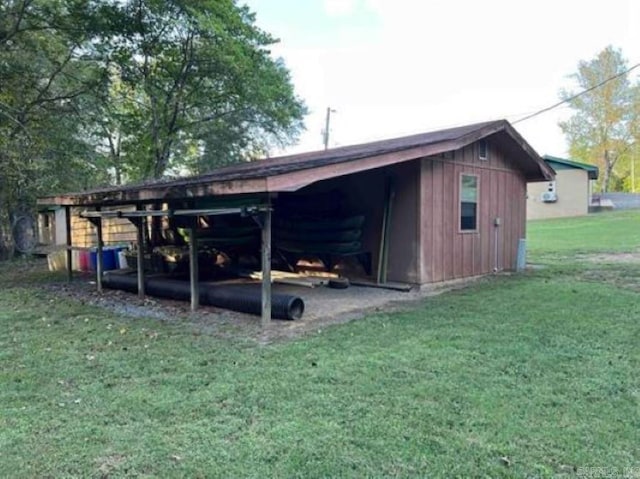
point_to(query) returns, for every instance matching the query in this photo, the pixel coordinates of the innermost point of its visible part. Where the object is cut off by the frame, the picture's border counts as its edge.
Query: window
(483, 150)
(468, 202)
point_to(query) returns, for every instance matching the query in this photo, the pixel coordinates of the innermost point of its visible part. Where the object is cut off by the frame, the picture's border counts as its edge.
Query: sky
(397, 67)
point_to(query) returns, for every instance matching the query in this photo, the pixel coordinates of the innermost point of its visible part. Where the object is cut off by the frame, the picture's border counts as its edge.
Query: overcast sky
(397, 67)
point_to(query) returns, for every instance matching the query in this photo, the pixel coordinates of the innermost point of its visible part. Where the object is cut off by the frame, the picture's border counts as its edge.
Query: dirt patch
(109, 464)
(618, 269)
(611, 258)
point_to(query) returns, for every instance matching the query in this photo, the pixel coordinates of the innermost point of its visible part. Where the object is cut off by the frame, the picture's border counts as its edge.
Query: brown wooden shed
(436, 206)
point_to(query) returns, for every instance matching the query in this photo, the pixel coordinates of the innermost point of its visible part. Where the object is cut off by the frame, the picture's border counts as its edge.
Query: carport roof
(292, 172)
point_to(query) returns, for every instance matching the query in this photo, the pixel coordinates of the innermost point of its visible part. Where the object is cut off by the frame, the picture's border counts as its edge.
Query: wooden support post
(266, 268)
(67, 215)
(99, 258)
(385, 233)
(193, 265)
(140, 226)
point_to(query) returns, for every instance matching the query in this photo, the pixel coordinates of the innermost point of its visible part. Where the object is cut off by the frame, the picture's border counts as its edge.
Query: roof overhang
(295, 172)
(592, 170)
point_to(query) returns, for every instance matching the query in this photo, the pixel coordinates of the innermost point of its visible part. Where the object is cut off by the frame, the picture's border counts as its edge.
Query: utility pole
(325, 132)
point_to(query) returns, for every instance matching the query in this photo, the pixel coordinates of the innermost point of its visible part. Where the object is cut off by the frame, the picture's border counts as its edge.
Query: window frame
(483, 144)
(477, 203)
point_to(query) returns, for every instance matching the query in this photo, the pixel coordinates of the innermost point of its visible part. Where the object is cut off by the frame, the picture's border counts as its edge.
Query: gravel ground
(323, 307)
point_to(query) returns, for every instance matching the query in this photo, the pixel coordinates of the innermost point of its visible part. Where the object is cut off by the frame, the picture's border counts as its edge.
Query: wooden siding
(114, 230)
(448, 253)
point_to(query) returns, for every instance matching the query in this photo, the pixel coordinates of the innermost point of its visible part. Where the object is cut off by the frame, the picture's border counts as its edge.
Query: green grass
(602, 233)
(525, 376)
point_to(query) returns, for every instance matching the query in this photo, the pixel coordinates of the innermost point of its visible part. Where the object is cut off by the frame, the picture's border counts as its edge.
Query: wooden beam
(141, 224)
(193, 265)
(99, 258)
(266, 268)
(67, 221)
(170, 213)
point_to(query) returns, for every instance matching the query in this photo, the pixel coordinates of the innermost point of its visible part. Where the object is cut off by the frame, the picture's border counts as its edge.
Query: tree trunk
(6, 239)
(606, 179)
(608, 169)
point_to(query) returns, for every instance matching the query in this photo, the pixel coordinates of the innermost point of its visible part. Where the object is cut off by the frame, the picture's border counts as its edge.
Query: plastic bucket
(93, 260)
(122, 260)
(83, 260)
(108, 259)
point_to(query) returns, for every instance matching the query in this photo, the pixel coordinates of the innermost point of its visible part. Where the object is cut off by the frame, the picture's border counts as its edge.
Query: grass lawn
(534, 375)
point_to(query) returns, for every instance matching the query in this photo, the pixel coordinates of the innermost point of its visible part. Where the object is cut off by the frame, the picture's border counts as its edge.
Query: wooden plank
(193, 266)
(502, 202)
(458, 243)
(392, 286)
(486, 227)
(265, 318)
(67, 224)
(426, 220)
(140, 227)
(450, 220)
(385, 232)
(508, 206)
(515, 219)
(493, 214)
(433, 212)
(476, 267)
(420, 217)
(299, 282)
(438, 212)
(99, 258)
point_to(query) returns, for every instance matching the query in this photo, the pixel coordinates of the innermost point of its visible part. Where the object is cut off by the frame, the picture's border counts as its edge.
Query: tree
(109, 91)
(205, 89)
(43, 76)
(601, 129)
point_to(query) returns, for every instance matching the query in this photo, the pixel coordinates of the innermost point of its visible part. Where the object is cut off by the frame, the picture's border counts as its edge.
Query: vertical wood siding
(447, 253)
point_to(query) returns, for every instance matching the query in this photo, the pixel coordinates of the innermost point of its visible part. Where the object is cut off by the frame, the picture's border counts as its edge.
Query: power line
(571, 98)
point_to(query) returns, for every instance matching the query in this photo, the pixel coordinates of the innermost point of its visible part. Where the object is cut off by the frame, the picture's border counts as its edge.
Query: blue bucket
(109, 259)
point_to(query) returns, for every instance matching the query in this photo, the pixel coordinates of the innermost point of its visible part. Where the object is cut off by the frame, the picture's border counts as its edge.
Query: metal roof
(292, 172)
(592, 170)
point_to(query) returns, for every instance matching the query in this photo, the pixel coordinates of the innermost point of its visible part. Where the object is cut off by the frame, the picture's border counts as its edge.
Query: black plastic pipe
(248, 299)
(244, 298)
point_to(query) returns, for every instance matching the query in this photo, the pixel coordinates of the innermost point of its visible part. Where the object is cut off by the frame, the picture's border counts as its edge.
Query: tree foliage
(194, 85)
(43, 76)
(97, 91)
(603, 129)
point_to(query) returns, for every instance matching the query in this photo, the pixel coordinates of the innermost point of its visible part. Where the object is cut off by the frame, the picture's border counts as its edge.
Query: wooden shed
(422, 209)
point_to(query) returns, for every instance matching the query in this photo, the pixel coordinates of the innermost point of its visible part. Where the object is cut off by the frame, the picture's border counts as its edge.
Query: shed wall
(114, 230)
(446, 252)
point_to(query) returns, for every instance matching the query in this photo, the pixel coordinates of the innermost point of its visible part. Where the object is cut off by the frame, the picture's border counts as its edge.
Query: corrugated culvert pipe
(248, 299)
(244, 298)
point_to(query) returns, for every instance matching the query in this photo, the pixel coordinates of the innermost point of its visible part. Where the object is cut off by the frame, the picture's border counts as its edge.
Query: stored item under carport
(244, 298)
